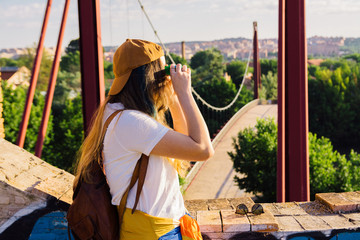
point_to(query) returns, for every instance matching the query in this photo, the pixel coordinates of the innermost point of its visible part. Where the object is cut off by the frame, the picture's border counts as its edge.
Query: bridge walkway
(215, 177)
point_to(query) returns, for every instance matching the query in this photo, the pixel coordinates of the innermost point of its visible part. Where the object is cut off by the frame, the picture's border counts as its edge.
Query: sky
(175, 21)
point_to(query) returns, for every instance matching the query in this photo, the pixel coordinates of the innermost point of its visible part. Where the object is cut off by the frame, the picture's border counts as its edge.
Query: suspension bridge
(31, 188)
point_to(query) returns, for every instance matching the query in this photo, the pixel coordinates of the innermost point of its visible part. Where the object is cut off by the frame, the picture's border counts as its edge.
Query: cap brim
(119, 83)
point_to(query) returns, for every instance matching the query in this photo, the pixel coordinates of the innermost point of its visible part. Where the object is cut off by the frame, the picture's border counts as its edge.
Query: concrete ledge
(217, 218)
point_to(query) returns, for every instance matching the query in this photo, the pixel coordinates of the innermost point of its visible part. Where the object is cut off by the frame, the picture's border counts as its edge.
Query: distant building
(16, 76)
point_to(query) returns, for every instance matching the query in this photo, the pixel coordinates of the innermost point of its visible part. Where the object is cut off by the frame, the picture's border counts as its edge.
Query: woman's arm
(196, 146)
(178, 118)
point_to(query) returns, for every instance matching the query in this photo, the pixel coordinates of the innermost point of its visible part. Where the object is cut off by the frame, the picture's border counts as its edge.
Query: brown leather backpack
(91, 215)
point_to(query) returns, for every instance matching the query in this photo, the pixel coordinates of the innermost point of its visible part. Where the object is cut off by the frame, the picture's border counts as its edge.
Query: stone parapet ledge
(328, 215)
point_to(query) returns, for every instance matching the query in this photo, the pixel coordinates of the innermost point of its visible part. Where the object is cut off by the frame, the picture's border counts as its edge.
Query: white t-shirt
(126, 139)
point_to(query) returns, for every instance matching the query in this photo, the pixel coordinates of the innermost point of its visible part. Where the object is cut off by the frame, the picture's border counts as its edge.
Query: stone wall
(2, 130)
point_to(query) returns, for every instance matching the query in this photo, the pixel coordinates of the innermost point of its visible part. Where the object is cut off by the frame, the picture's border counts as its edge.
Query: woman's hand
(181, 79)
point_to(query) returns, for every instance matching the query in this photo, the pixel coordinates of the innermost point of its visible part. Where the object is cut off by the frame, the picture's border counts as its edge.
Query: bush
(268, 88)
(334, 103)
(255, 158)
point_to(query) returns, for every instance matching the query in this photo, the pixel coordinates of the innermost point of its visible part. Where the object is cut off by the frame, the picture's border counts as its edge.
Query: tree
(268, 88)
(255, 157)
(70, 62)
(108, 70)
(236, 69)
(67, 135)
(7, 62)
(334, 103)
(13, 107)
(177, 59)
(208, 65)
(27, 60)
(73, 46)
(268, 65)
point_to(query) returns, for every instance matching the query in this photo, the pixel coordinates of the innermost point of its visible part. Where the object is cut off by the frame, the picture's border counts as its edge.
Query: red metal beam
(280, 191)
(52, 83)
(91, 58)
(33, 81)
(293, 79)
(256, 62)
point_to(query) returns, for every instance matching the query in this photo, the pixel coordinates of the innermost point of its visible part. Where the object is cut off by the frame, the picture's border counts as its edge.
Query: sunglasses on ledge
(256, 209)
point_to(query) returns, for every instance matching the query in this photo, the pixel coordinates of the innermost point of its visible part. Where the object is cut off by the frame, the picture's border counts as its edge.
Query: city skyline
(190, 20)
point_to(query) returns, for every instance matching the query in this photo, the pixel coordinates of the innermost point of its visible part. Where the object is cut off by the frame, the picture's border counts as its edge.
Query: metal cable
(192, 89)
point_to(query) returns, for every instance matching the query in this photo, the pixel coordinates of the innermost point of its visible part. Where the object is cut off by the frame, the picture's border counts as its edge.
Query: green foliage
(177, 59)
(27, 60)
(268, 65)
(207, 65)
(334, 103)
(236, 69)
(7, 62)
(355, 57)
(268, 88)
(73, 46)
(255, 158)
(108, 70)
(67, 134)
(13, 107)
(70, 62)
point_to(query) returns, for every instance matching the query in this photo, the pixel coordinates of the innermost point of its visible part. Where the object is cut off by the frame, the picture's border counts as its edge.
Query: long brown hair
(145, 91)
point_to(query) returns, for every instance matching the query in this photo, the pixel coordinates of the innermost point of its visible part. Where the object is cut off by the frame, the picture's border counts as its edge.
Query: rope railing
(192, 89)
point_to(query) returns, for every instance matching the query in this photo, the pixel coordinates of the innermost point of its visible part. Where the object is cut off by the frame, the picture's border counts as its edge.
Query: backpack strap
(138, 174)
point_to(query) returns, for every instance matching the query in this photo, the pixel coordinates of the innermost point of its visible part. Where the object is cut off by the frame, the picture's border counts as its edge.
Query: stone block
(209, 221)
(233, 222)
(315, 208)
(4, 200)
(271, 208)
(354, 218)
(313, 223)
(352, 196)
(219, 204)
(288, 224)
(336, 202)
(196, 205)
(337, 221)
(193, 214)
(289, 209)
(264, 222)
(245, 200)
(20, 200)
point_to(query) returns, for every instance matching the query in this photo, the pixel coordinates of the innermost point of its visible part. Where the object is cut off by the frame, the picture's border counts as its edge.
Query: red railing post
(280, 191)
(256, 62)
(293, 102)
(91, 58)
(51, 86)
(33, 81)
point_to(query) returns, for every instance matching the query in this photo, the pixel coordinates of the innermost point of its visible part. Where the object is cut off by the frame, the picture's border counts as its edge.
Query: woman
(144, 94)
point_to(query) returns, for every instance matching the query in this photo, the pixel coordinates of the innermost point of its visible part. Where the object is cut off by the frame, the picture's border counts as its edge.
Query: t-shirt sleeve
(138, 132)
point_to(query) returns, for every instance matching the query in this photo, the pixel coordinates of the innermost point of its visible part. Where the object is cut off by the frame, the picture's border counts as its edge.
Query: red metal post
(52, 83)
(256, 61)
(280, 191)
(294, 129)
(91, 59)
(34, 77)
